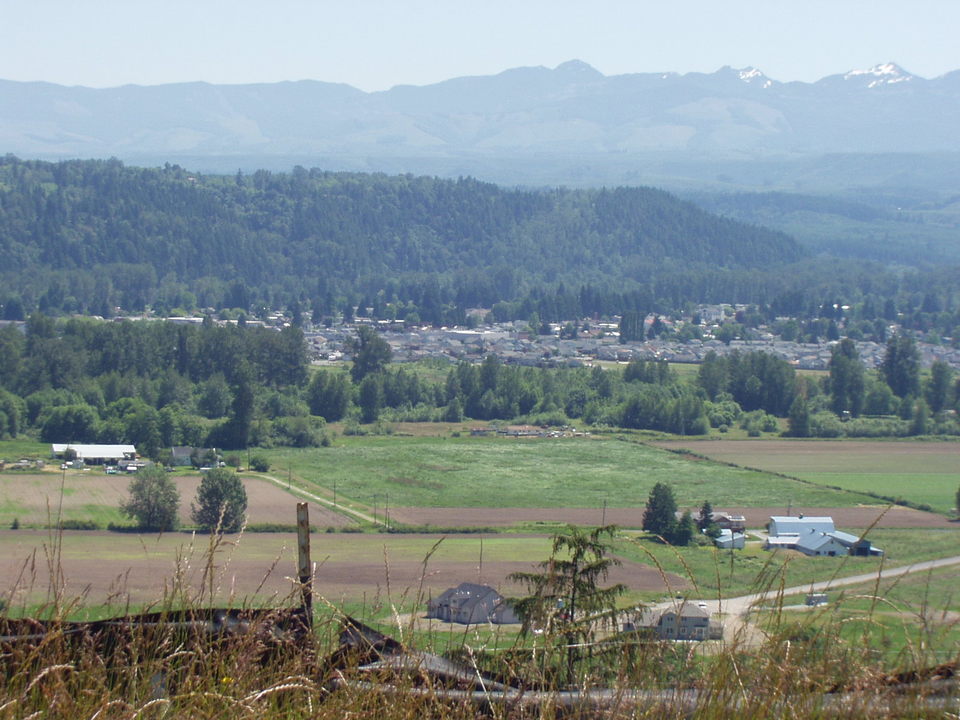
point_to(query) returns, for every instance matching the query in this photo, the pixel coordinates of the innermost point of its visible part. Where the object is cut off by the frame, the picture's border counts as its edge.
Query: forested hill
(312, 232)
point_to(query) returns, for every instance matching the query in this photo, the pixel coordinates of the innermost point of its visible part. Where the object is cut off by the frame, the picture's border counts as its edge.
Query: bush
(259, 463)
(78, 525)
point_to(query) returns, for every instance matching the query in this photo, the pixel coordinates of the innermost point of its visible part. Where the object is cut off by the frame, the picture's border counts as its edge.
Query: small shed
(730, 540)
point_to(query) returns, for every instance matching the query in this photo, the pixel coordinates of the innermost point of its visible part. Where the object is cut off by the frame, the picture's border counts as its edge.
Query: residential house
(470, 603)
(684, 621)
(729, 521)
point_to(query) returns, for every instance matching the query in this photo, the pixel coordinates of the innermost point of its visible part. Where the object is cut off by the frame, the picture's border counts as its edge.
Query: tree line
(161, 384)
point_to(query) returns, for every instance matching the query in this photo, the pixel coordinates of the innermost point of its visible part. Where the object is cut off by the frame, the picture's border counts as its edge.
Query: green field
(926, 473)
(500, 472)
(13, 450)
(920, 488)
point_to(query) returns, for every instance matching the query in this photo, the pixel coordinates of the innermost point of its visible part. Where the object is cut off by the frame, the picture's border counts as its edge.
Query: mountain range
(516, 125)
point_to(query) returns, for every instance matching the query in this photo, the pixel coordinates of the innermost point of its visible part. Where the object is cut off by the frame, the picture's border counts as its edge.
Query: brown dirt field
(31, 493)
(102, 567)
(266, 503)
(36, 496)
(845, 517)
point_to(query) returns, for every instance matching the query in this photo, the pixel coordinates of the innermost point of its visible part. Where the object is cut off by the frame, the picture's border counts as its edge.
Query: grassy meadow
(531, 472)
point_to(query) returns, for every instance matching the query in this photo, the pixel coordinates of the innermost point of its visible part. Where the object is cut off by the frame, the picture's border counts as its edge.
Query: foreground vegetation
(801, 666)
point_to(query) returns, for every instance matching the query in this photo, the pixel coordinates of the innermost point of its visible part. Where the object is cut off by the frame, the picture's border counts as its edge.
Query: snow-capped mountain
(529, 114)
(886, 74)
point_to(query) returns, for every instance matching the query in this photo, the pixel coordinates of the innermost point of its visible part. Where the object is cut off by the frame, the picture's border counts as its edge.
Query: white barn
(815, 536)
(96, 454)
(789, 525)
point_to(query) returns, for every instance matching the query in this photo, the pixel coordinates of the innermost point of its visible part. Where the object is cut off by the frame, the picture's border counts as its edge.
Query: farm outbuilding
(470, 603)
(789, 525)
(95, 454)
(728, 539)
(815, 536)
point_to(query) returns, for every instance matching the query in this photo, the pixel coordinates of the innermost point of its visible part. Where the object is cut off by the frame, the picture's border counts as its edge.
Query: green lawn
(499, 472)
(930, 594)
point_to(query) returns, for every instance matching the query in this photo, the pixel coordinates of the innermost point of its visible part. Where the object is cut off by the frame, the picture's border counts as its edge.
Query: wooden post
(304, 569)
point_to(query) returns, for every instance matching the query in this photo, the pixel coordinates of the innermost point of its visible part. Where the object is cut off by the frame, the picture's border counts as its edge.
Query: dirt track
(845, 517)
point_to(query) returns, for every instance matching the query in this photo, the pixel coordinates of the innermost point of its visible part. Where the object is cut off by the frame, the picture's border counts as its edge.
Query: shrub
(259, 463)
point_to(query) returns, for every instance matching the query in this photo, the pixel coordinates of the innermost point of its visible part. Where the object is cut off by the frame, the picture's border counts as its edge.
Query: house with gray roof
(470, 603)
(683, 621)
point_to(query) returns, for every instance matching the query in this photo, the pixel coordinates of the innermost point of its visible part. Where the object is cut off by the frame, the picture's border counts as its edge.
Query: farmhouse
(815, 536)
(729, 521)
(470, 603)
(95, 454)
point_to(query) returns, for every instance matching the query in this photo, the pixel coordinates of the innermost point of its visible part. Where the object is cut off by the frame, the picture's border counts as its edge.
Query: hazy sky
(376, 44)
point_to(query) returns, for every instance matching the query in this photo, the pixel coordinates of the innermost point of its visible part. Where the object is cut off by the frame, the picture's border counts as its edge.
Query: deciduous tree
(154, 500)
(371, 353)
(221, 502)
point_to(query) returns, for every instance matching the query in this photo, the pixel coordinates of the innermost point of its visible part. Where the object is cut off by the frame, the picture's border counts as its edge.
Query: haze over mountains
(570, 124)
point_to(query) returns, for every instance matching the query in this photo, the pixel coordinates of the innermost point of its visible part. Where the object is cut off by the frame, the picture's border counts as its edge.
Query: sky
(377, 44)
